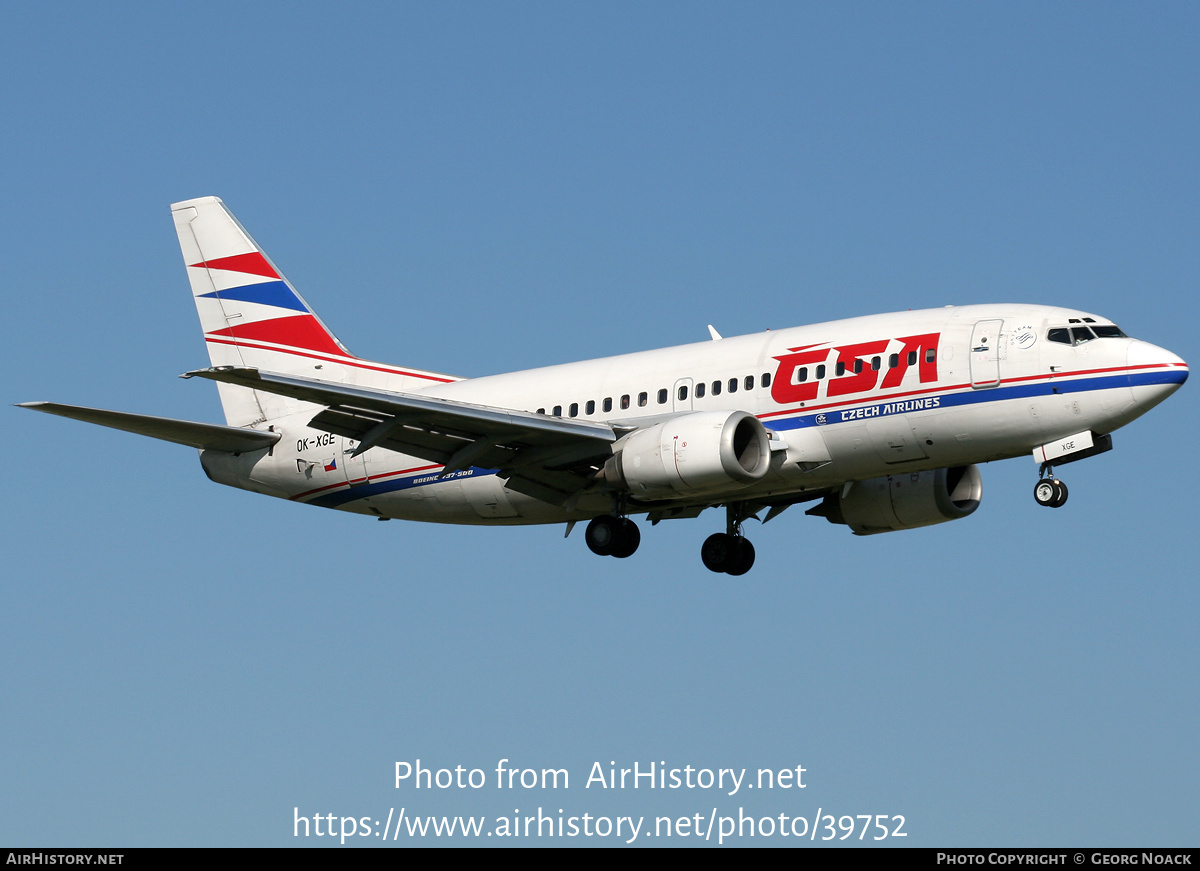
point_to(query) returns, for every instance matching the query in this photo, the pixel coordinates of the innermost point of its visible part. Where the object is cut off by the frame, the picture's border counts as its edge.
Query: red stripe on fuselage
(345, 361)
(364, 480)
(878, 397)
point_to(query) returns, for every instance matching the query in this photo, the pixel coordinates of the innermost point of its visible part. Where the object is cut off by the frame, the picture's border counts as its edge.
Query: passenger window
(930, 355)
(716, 388)
(700, 390)
(802, 375)
(591, 406)
(820, 371)
(607, 404)
(541, 411)
(625, 401)
(642, 399)
(662, 396)
(858, 367)
(766, 379)
(733, 385)
(841, 369)
(912, 358)
(749, 382)
(893, 361)
(875, 361)
(682, 392)
(558, 411)
(574, 409)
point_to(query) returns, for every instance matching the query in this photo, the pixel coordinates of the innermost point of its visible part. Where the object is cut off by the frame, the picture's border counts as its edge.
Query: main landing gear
(728, 551)
(612, 536)
(1049, 491)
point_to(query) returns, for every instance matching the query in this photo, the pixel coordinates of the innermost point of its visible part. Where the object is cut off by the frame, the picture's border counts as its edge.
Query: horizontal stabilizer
(206, 436)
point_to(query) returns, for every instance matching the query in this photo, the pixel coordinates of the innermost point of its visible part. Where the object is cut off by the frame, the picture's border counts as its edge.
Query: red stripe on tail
(252, 264)
(301, 331)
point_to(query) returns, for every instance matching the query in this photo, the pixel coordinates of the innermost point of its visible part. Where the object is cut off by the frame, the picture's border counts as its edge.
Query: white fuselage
(846, 400)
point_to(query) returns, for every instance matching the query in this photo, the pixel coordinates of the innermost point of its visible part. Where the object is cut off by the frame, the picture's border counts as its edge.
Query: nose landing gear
(1049, 491)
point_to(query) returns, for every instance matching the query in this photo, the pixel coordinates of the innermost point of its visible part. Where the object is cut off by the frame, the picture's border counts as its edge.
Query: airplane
(880, 420)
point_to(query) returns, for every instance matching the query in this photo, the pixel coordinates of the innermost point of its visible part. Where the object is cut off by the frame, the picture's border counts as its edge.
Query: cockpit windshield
(1079, 333)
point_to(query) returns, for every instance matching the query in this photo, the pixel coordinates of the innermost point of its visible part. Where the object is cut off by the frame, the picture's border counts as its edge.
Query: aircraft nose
(1154, 373)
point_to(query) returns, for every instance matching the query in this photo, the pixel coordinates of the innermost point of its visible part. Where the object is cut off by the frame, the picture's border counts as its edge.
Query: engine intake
(692, 453)
(904, 501)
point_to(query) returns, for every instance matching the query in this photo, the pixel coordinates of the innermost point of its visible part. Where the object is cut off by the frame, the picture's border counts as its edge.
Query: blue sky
(476, 188)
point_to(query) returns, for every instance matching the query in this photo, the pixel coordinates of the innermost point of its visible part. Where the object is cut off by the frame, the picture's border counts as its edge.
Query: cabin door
(985, 354)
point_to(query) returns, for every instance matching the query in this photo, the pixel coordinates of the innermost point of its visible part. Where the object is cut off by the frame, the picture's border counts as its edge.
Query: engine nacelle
(692, 453)
(904, 501)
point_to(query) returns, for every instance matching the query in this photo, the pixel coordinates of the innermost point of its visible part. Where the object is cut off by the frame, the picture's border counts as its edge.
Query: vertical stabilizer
(252, 316)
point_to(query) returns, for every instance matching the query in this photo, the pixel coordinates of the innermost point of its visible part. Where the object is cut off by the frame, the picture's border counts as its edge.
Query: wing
(205, 436)
(549, 458)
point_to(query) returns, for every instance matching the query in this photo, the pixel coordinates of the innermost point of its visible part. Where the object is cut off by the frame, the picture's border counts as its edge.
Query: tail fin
(252, 316)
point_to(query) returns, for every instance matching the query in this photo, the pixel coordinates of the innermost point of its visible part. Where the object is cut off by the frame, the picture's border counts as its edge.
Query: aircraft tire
(1045, 492)
(742, 558)
(628, 539)
(602, 535)
(715, 551)
(1061, 498)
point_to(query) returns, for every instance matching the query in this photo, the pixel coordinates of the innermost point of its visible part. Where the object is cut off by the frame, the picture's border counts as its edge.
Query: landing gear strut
(612, 536)
(1049, 491)
(728, 551)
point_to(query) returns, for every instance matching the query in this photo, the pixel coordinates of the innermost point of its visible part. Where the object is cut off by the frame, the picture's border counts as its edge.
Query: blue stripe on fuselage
(392, 485)
(973, 397)
(860, 412)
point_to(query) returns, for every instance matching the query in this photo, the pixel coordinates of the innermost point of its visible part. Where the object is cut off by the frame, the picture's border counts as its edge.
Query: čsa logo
(857, 368)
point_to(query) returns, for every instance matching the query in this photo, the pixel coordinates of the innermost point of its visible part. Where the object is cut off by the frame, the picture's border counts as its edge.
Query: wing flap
(553, 487)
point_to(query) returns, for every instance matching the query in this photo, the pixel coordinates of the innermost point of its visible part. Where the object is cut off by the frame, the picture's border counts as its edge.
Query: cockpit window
(1081, 335)
(1077, 335)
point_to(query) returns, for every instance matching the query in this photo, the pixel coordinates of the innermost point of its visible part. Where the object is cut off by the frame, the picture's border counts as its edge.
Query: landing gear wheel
(743, 558)
(628, 539)
(602, 534)
(1050, 492)
(715, 551)
(728, 554)
(1062, 495)
(612, 536)
(1044, 492)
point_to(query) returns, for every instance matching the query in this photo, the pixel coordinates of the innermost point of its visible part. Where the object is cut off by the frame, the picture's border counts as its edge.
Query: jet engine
(904, 501)
(692, 453)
